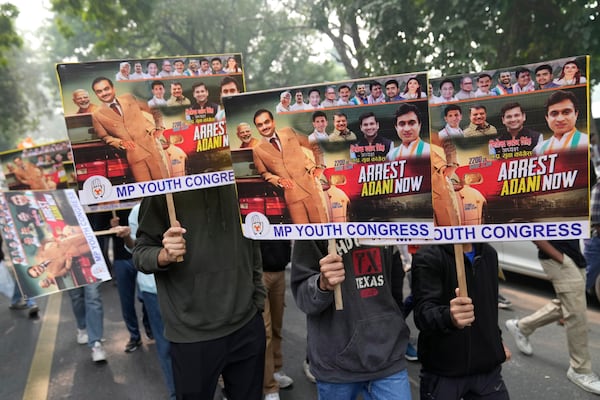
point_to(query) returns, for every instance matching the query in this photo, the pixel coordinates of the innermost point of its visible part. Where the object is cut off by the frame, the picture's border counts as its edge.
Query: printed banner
(45, 167)
(515, 154)
(351, 161)
(147, 127)
(49, 241)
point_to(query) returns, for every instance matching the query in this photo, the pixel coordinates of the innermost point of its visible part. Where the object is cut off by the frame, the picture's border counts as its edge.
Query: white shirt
(449, 132)
(318, 137)
(300, 107)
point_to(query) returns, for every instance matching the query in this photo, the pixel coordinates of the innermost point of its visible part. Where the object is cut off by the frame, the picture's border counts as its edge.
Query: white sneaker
(283, 380)
(521, 340)
(307, 372)
(588, 382)
(272, 396)
(98, 353)
(82, 336)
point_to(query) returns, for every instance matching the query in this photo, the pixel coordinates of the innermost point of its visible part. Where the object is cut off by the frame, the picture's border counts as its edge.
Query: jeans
(18, 296)
(393, 387)
(126, 274)
(163, 346)
(87, 307)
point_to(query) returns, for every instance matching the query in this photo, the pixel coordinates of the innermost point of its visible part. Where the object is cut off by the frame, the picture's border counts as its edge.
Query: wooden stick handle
(337, 290)
(104, 232)
(459, 259)
(172, 215)
(460, 269)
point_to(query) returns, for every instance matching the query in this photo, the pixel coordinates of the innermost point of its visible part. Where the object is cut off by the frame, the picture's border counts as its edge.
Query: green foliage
(458, 36)
(110, 21)
(16, 99)
(378, 37)
(276, 46)
(281, 41)
(9, 39)
(15, 116)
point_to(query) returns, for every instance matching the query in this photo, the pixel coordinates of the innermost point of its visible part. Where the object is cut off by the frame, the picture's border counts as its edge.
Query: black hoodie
(444, 349)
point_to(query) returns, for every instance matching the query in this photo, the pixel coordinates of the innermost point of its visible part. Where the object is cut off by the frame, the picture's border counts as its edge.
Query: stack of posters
(505, 157)
(49, 242)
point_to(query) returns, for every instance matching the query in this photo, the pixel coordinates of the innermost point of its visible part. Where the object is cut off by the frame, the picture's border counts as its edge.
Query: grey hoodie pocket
(375, 344)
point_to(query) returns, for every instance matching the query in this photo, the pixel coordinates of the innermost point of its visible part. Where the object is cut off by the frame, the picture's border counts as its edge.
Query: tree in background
(276, 46)
(384, 36)
(282, 42)
(369, 37)
(9, 38)
(15, 115)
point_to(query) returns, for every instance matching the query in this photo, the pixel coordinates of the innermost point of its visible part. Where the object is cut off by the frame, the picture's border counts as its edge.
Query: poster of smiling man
(147, 127)
(352, 161)
(517, 152)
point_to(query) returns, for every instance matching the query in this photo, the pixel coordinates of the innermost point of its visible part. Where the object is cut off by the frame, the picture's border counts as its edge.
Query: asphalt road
(41, 359)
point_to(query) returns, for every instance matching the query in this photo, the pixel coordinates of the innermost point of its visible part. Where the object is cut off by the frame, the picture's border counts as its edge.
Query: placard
(151, 126)
(350, 159)
(49, 242)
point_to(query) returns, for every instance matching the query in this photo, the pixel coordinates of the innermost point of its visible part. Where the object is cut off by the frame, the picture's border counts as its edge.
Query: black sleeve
(398, 275)
(431, 290)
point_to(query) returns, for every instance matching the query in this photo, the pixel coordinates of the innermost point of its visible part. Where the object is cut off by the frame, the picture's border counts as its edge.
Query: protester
(275, 256)
(565, 266)
(460, 345)
(361, 349)
(211, 301)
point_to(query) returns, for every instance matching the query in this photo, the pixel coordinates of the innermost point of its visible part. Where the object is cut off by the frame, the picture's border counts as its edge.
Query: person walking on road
(212, 300)
(565, 265)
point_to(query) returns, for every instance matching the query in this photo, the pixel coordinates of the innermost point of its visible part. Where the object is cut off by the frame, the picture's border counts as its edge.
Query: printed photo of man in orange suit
(281, 161)
(120, 123)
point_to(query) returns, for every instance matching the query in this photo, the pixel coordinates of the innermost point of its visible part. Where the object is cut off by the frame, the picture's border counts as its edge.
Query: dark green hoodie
(217, 288)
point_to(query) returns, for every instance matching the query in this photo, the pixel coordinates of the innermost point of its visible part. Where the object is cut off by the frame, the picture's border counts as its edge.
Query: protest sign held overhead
(516, 152)
(350, 161)
(148, 127)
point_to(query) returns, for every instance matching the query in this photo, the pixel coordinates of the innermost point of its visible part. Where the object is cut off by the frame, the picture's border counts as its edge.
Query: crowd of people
(482, 85)
(371, 92)
(178, 67)
(215, 300)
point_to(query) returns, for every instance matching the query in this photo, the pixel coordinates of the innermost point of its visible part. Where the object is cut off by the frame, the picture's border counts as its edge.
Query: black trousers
(488, 386)
(239, 357)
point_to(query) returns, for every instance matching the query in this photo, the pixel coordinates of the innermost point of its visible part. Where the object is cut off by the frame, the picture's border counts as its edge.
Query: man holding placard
(211, 302)
(359, 350)
(460, 343)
